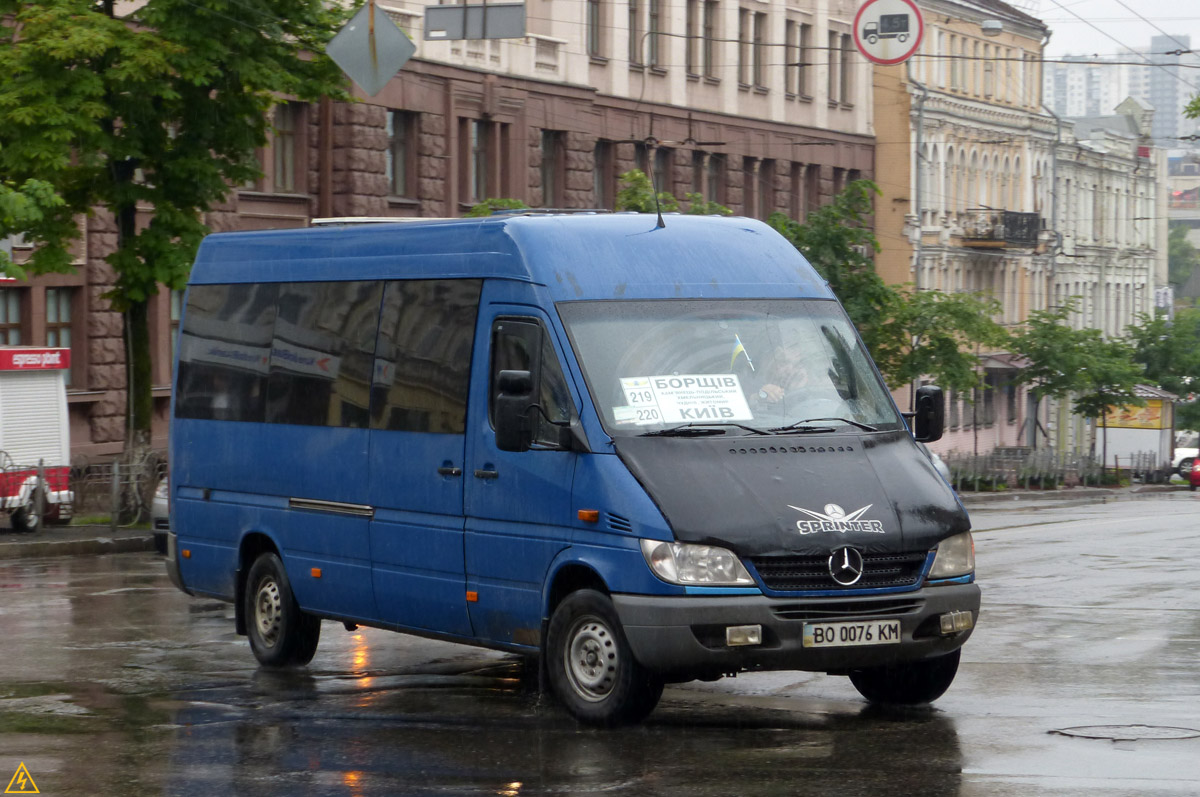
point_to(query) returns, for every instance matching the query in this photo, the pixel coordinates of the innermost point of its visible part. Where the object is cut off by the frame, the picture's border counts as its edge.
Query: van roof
(575, 256)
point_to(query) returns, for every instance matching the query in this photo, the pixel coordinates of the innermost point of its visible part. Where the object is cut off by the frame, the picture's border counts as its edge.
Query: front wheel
(909, 683)
(280, 633)
(591, 666)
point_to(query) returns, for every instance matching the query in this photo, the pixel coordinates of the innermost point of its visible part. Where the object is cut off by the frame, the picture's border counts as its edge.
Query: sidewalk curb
(101, 544)
(1071, 494)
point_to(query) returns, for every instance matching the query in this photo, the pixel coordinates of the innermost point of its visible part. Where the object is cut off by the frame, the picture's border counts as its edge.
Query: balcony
(985, 228)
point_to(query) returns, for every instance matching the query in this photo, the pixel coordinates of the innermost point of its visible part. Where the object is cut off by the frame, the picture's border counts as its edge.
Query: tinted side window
(513, 349)
(423, 360)
(322, 353)
(224, 352)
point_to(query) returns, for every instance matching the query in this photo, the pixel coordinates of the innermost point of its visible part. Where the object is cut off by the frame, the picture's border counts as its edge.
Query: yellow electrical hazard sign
(21, 782)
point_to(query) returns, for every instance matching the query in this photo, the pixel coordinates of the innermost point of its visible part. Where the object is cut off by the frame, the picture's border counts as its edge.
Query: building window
(401, 132)
(595, 41)
(846, 78)
(743, 61)
(760, 49)
(552, 168)
(641, 158)
(654, 28)
(10, 317)
(283, 144)
(475, 173)
(749, 187)
(711, 8)
(635, 32)
(835, 46)
(58, 321)
(714, 178)
(663, 158)
(602, 175)
(812, 187)
(766, 188)
(692, 24)
(176, 314)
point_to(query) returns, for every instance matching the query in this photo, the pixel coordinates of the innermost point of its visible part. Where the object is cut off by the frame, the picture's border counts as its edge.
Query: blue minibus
(644, 454)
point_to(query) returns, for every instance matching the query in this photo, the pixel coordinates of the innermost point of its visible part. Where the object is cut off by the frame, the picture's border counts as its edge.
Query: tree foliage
(489, 206)
(1182, 257)
(930, 333)
(1063, 361)
(635, 192)
(1169, 351)
(158, 111)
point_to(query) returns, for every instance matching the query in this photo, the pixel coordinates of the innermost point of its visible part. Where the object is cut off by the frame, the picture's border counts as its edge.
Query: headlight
(163, 490)
(955, 557)
(681, 563)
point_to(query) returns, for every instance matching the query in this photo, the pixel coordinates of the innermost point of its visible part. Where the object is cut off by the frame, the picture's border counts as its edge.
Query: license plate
(839, 635)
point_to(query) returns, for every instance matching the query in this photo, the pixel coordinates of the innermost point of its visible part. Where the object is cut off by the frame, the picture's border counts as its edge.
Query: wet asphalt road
(111, 682)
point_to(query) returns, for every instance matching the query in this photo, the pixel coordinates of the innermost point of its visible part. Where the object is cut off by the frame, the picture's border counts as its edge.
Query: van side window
(423, 358)
(512, 349)
(225, 351)
(322, 353)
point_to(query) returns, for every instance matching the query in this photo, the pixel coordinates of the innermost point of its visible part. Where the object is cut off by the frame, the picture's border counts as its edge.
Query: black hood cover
(781, 495)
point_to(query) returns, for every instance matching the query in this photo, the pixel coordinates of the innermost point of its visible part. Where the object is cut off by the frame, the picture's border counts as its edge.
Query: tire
(27, 519)
(281, 635)
(910, 683)
(1185, 467)
(872, 39)
(1192, 487)
(591, 667)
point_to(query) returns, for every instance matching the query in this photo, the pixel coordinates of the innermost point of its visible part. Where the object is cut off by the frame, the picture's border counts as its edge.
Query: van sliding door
(418, 425)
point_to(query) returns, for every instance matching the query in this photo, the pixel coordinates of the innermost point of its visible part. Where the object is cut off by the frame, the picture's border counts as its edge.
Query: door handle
(449, 470)
(487, 474)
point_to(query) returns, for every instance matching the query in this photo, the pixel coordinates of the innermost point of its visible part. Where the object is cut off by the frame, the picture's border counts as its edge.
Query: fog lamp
(739, 635)
(956, 622)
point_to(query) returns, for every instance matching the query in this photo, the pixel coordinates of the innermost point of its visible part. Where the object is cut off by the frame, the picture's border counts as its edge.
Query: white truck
(35, 445)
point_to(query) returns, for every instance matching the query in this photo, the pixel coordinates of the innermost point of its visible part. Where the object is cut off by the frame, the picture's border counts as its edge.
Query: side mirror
(514, 430)
(929, 419)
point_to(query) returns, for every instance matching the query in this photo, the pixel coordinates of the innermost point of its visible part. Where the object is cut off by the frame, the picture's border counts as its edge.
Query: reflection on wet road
(111, 682)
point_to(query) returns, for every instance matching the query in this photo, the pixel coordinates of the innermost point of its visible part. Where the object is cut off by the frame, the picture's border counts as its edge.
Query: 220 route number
(838, 635)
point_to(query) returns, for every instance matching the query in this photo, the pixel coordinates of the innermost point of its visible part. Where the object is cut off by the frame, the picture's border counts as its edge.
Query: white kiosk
(35, 445)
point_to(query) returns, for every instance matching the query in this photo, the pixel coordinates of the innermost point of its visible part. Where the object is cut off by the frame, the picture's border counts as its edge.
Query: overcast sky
(1115, 18)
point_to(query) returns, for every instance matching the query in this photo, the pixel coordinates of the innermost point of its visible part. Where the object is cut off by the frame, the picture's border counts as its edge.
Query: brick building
(758, 106)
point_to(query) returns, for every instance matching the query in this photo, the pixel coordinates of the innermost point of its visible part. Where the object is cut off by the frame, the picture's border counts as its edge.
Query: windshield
(742, 366)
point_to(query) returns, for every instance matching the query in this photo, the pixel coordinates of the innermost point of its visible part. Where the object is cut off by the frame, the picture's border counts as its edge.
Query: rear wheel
(591, 666)
(1185, 467)
(281, 635)
(28, 518)
(909, 683)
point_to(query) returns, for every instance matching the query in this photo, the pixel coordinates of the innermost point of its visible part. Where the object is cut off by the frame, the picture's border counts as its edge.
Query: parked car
(1193, 476)
(160, 515)
(938, 464)
(1185, 453)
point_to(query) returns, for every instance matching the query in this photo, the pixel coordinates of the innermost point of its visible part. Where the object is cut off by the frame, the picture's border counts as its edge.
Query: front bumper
(684, 636)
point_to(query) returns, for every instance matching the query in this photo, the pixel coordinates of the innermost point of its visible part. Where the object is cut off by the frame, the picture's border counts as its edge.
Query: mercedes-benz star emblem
(846, 566)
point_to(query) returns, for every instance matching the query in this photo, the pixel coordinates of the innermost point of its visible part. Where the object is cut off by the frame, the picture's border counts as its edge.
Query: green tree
(489, 206)
(1169, 352)
(930, 333)
(839, 244)
(1182, 257)
(1063, 361)
(162, 109)
(636, 192)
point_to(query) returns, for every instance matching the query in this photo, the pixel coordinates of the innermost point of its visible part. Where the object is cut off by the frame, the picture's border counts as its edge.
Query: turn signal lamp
(589, 515)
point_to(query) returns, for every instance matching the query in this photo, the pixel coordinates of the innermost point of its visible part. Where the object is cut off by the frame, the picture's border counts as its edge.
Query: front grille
(811, 572)
(827, 609)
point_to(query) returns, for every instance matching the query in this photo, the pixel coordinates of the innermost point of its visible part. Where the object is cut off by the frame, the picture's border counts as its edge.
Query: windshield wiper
(799, 426)
(699, 430)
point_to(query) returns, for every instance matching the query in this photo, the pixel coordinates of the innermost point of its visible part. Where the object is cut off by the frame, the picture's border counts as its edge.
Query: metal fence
(1006, 468)
(120, 491)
